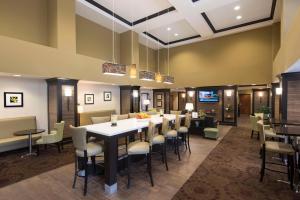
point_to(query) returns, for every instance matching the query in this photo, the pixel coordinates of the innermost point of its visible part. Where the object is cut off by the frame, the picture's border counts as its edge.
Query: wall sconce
(260, 94)
(191, 93)
(228, 93)
(279, 91)
(183, 95)
(135, 93)
(189, 107)
(68, 92)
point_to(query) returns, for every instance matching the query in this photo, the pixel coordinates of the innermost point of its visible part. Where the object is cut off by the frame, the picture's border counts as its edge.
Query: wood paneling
(293, 100)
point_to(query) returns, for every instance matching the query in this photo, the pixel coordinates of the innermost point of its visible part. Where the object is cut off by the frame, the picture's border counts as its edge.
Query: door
(245, 104)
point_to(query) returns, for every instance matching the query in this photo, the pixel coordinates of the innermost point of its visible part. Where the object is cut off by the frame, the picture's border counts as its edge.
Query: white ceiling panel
(133, 10)
(250, 10)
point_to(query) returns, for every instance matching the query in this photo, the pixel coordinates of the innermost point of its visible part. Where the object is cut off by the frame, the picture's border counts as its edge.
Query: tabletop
(127, 125)
(288, 131)
(29, 131)
(284, 122)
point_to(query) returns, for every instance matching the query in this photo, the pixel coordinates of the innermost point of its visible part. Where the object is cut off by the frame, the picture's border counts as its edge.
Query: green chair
(211, 133)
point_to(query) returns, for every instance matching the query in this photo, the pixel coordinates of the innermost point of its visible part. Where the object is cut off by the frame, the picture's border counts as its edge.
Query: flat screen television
(208, 96)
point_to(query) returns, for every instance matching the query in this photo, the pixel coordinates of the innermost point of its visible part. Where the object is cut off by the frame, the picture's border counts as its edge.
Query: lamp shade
(189, 106)
(260, 94)
(68, 91)
(80, 109)
(147, 76)
(228, 93)
(114, 69)
(191, 93)
(135, 93)
(146, 102)
(132, 71)
(168, 79)
(279, 91)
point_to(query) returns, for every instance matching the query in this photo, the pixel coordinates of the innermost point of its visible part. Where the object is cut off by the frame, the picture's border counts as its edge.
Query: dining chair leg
(257, 137)
(93, 158)
(128, 171)
(188, 140)
(292, 171)
(252, 134)
(62, 145)
(177, 147)
(85, 173)
(263, 164)
(149, 167)
(165, 155)
(75, 171)
(58, 147)
(162, 153)
(37, 150)
(185, 141)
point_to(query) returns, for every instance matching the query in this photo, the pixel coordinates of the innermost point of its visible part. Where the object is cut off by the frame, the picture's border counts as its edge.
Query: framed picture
(107, 96)
(159, 97)
(89, 99)
(159, 104)
(13, 99)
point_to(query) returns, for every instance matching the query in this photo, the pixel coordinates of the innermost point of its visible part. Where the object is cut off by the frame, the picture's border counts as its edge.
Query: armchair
(55, 137)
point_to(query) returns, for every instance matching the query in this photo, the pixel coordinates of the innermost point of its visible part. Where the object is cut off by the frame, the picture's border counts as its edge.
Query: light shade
(135, 93)
(260, 94)
(147, 76)
(228, 93)
(132, 71)
(279, 91)
(80, 109)
(189, 106)
(68, 92)
(114, 69)
(191, 93)
(168, 79)
(158, 77)
(146, 102)
(183, 95)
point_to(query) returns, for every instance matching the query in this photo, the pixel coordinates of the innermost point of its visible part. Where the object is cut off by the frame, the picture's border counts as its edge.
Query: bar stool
(276, 147)
(184, 131)
(84, 150)
(141, 148)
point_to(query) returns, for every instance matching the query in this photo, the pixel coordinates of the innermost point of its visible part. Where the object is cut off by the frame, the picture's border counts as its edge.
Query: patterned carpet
(13, 168)
(231, 171)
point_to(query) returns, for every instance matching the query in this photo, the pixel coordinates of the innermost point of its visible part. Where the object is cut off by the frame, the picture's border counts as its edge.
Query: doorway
(245, 104)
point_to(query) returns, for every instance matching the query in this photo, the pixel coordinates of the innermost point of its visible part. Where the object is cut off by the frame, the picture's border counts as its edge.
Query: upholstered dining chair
(276, 147)
(184, 131)
(254, 127)
(84, 150)
(55, 137)
(172, 134)
(141, 148)
(156, 139)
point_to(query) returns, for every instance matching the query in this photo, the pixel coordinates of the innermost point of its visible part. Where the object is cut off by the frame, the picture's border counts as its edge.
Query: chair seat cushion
(279, 147)
(136, 148)
(270, 133)
(183, 129)
(93, 149)
(212, 133)
(158, 139)
(171, 133)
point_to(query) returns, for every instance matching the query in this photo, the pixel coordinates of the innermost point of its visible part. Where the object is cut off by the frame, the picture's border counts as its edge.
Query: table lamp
(189, 107)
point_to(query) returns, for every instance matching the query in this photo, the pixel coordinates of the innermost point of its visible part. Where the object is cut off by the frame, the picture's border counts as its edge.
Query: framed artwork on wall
(13, 99)
(159, 104)
(159, 97)
(107, 96)
(88, 99)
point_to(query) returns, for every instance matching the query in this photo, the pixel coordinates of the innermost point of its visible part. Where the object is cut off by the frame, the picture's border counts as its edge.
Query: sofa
(8, 126)
(85, 118)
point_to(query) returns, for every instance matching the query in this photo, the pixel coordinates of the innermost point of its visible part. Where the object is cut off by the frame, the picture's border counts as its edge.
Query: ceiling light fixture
(17, 75)
(169, 28)
(237, 7)
(238, 17)
(176, 34)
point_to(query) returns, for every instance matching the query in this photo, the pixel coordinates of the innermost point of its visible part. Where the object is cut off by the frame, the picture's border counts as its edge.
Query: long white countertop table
(126, 125)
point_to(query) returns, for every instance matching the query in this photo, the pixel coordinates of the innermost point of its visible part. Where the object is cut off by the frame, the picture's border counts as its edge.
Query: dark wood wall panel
(293, 100)
(52, 106)
(125, 103)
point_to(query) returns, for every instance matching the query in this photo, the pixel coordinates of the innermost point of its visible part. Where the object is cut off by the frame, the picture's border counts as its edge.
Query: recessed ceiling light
(169, 28)
(238, 17)
(176, 34)
(16, 75)
(237, 7)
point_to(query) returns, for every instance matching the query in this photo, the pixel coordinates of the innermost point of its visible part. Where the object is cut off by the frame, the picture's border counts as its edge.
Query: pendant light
(158, 76)
(168, 79)
(147, 75)
(113, 68)
(132, 69)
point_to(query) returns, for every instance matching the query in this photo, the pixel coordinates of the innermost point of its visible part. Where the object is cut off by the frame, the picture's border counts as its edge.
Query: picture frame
(159, 97)
(107, 96)
(13, 99)
(88, 99)
(159, 104)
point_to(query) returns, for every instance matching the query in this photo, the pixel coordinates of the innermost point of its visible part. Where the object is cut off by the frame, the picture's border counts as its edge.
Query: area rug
(13, 168)
(231, 172)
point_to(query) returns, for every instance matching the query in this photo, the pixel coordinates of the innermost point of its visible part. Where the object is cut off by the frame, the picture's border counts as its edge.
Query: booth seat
(86, 117)
(8, 126)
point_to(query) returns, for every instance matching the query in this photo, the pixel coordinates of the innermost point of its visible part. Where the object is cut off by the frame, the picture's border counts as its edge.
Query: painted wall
(95, 41)
(242, 58)
(26, 20)
(35, 99)
(152, 58)
(99, 103)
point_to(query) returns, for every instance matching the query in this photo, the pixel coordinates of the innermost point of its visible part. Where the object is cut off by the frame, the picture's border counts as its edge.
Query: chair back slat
(165, 126)
(79, 137)
(150, 132)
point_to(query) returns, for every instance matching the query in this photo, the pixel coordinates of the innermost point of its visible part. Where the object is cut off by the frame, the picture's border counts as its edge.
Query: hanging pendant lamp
(168, 79)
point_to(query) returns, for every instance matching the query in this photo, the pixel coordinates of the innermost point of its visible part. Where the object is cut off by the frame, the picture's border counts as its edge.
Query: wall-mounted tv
(208, 96)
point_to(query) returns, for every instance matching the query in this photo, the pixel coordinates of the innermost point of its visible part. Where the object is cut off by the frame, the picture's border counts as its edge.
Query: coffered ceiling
(179, 22)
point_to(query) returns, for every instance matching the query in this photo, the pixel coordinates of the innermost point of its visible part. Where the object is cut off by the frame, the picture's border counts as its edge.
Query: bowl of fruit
(142, 117)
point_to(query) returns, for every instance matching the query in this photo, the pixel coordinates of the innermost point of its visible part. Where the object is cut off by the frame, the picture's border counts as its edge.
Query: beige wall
(152, 58)
(95, 41)
(242, 58)
(25, 19)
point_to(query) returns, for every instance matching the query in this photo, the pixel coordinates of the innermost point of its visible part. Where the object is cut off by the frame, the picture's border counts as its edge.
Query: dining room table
(110, 134)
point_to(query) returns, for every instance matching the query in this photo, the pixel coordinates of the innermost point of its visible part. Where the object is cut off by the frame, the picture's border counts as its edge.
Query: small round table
(29, 132)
